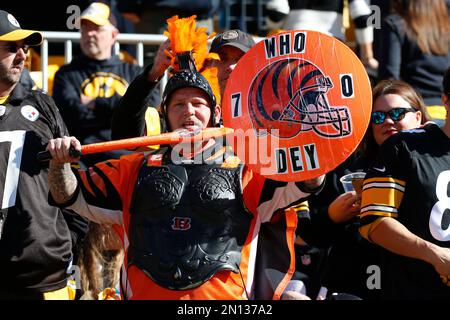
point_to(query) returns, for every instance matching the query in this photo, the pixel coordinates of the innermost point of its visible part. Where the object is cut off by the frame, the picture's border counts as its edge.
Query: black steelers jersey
(35, 245)
(410, 182)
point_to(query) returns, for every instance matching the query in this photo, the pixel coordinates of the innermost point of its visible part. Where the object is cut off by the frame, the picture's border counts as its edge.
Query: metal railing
(123, 38)
(235, 13)
(69, 37)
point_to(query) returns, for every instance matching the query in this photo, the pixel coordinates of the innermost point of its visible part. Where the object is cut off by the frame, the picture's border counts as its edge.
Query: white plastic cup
(297, 286)
(347, 180)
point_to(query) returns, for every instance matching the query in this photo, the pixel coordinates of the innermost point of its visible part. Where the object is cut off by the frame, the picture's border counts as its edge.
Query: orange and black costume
(190, 230)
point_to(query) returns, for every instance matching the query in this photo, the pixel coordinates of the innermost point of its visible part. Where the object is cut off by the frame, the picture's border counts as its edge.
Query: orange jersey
(106, 197)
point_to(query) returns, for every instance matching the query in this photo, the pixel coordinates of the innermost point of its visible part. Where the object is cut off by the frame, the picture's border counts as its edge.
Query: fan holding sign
(188, 218)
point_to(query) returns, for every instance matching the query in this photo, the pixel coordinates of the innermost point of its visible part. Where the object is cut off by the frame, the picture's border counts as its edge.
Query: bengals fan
(189, 229)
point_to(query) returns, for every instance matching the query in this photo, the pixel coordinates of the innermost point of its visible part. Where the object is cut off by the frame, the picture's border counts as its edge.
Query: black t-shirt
(35, 248)
(410, 182)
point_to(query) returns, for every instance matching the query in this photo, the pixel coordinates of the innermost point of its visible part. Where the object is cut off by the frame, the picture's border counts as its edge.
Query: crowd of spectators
(399, 223)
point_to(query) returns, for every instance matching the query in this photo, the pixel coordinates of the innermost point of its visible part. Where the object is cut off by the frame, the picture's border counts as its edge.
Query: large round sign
(300, 103)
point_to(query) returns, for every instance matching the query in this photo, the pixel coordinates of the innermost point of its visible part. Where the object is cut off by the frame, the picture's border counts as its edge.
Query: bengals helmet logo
(290, 95)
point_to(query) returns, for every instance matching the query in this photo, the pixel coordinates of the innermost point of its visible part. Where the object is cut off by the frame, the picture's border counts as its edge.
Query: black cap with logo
(10, 30)
(235, 38)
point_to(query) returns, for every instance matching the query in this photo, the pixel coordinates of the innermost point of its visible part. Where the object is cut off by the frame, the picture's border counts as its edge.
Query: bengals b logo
(181, 223)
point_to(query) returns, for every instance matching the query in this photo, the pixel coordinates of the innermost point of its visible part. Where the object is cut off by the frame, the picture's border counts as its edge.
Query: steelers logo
(30, 113)
(13, 21)
(229, 35)
(104, 85)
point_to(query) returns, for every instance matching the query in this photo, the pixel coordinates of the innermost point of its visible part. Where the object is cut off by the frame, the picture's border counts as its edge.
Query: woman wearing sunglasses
(333, 212)
(396, 107)
(405, 206)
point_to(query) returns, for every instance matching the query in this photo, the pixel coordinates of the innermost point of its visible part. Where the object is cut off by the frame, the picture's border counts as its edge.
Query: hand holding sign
(302, 102)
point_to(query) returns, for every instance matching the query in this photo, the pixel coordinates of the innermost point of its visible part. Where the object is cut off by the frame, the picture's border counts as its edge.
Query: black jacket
(402, 58)
(129, 117)
(349, 255)
(105, 81)
(36, 243)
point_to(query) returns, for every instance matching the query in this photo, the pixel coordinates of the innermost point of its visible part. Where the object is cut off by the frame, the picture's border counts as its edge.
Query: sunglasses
(397, 114)
(13, 47)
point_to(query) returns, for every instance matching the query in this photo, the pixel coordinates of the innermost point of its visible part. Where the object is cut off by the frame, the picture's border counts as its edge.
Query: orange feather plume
(210, 74)
(184, 36)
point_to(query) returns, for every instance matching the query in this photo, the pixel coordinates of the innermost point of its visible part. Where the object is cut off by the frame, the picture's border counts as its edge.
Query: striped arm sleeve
(381, 197)
(266, 196)
(99, 200)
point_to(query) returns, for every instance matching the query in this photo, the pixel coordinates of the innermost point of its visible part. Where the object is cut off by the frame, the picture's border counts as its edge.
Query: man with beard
(35, 240)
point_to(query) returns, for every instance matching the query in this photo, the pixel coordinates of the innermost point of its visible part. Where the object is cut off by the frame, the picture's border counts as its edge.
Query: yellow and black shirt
(410, 182)
(106, 81)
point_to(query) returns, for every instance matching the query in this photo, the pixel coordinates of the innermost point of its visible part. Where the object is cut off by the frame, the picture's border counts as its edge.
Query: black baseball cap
(10, 30)
(235, 38)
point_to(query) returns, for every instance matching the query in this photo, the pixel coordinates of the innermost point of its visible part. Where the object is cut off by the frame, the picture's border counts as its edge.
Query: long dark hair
(368, 147)
(427, 23)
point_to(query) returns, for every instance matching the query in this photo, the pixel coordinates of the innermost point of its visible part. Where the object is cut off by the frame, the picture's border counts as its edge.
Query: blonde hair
(100, 260)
